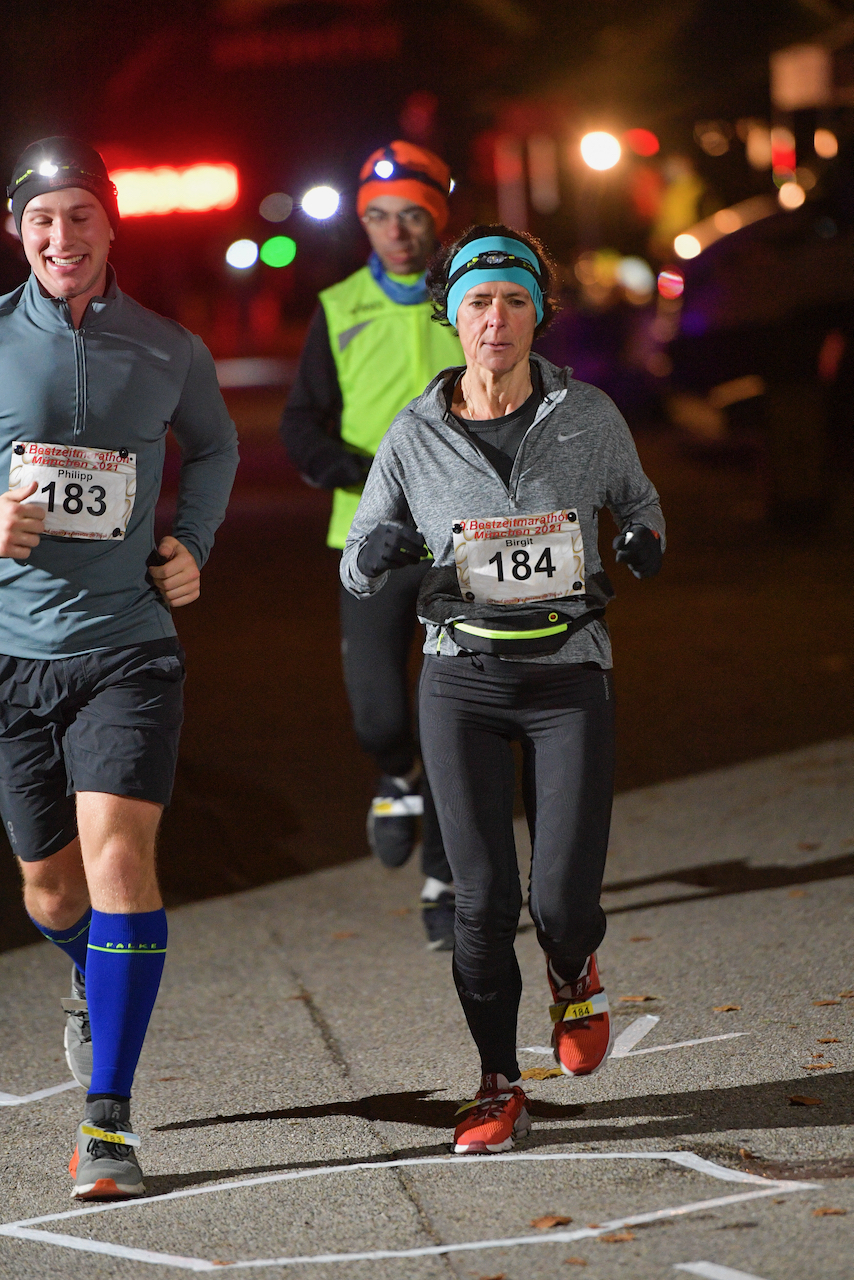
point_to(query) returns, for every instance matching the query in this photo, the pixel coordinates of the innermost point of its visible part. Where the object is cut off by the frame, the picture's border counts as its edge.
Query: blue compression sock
(73, 941)
(125, 961)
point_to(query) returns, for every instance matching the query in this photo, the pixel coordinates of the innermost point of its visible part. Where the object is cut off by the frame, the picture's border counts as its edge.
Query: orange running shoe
(493, 1120)
(581, 1038)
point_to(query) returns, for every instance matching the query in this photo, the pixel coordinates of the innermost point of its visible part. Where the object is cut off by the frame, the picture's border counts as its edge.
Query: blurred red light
(642, 141)
(194, 189)
(670, 284)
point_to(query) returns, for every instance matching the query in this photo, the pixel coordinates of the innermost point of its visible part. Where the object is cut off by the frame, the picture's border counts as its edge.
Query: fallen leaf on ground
(221, 1262)
(816, 1055)
(302, 996)
(798, 893)
(821, 1002)
(846, 995)
(541, 1073)
(401, 911)
(345, 933)
(501, 1275)
(818, 1066)
(745, 1154)
(617, 1237)
(550, 1220)
(639, 937)
(829, 1040)
(163, 1079)
(801, 1100)
(726, 1008)
(809, 846)
(575, 1262)
(827, 1213)
(636, 999)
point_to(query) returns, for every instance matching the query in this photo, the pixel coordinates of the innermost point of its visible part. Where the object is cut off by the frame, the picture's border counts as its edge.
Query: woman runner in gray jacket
(501, 468)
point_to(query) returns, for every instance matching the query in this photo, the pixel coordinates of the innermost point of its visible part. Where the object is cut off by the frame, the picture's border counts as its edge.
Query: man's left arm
(208, 441)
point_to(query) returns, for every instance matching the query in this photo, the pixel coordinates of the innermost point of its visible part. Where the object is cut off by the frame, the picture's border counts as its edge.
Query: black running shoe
(438, 920)
(393, 820)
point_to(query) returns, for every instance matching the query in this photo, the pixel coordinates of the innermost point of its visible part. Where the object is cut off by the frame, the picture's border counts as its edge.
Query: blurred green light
(278, 251)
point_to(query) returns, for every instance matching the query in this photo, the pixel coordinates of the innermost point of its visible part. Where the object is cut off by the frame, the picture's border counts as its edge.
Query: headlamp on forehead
(387, 169)
(495, 258)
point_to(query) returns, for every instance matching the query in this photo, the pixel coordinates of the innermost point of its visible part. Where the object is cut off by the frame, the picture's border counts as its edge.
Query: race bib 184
(86, 493)
(519, 559)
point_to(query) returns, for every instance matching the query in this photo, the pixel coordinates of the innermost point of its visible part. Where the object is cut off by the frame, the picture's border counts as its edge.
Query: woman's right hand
(390, 546)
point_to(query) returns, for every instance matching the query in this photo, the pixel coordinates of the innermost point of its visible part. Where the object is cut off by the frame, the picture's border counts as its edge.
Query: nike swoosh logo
(572, 435)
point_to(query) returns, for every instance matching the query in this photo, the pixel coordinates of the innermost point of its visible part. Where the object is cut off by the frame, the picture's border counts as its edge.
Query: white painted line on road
(24, 1228)
(14, 1100)
(714, 1271)
(633, 1034)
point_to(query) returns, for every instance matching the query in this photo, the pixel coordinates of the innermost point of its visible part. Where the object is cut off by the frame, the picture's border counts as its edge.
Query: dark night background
(742, 647)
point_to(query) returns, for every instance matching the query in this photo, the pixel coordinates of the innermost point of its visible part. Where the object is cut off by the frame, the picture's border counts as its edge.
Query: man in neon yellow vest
(371, 348)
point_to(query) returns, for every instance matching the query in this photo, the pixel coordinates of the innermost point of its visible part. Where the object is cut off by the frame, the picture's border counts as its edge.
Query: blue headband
(489, 259)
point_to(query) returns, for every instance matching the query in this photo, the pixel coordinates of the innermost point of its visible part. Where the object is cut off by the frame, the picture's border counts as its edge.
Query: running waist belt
(480, 629)
(540, 631)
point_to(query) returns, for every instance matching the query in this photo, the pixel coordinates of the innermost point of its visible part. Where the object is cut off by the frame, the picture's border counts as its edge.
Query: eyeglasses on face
(414, 219)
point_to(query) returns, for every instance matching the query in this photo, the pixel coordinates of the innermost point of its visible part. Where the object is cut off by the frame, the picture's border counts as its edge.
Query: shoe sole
(592, 1072)
(400, 858)
(440, 944)
(107, 1189)
(489, 1148)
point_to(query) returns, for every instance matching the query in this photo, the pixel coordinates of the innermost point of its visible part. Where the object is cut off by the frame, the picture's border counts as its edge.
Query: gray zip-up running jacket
(577, 453)
(120, 381)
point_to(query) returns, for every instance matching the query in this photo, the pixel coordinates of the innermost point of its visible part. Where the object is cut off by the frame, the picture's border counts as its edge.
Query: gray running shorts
(103, 721)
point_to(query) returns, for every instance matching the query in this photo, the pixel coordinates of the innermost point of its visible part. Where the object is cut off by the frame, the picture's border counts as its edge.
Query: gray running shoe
(104, 1165)
(78, 1036)
(438, 917)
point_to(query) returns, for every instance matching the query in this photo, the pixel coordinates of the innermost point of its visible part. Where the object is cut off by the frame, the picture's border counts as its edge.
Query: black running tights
(563, 716)
(376, 637)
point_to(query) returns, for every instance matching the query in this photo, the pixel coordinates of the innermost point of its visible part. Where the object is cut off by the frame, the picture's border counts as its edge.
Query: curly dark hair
(438, 271)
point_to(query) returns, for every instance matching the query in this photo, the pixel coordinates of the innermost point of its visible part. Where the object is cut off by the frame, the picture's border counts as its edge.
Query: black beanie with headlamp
(53, 164)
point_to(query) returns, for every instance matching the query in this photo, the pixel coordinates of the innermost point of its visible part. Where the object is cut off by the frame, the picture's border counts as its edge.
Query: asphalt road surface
(297, 1090)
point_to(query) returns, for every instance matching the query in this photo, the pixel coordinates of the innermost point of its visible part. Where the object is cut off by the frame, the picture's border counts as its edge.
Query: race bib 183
(87, 493)
(519, 559)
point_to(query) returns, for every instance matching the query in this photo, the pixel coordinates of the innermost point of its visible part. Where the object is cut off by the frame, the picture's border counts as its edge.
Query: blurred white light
(47, 169)
(687, 246)
(636, 275)
(242, 254)
(451, 186)
(321, 202)
(825, 144)
(276, 207)
(383, 168)
(791, 195)
(600, 150)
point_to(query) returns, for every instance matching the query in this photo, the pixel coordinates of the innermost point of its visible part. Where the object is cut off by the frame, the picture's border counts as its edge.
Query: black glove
(341, 470)
(390, 546)
(640, 549)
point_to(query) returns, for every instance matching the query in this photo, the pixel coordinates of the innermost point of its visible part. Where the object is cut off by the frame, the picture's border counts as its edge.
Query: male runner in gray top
(91, 670)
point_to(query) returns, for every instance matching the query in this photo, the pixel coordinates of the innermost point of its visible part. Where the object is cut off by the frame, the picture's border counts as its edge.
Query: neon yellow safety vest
(385, 354)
